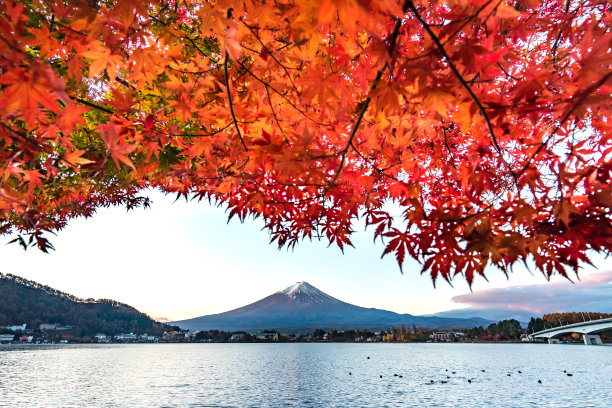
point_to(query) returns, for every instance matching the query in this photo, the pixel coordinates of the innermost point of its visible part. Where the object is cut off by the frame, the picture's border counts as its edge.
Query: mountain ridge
(29, 302)
(301, 308)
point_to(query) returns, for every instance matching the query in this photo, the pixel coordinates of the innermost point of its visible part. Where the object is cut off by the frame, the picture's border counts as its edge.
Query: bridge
(588, 329)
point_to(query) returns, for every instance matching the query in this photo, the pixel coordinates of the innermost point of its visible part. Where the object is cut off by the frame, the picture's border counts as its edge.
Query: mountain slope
(24, 301)
(492, 314)
(303, 308)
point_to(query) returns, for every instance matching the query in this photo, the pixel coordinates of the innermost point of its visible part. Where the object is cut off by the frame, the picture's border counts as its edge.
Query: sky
(181, 259)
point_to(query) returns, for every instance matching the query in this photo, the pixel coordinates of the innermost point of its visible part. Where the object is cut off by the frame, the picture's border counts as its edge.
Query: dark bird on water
(470, 381)
(443, 382)
(368, 357)
(401, 376)
(520, 372)
(431, 381)
(570, 374)
(453, 372)
(381, 376)
(447, 376)
(565, 371)
(482, 371)
(350, 373)
(540, 381)
(395, 375)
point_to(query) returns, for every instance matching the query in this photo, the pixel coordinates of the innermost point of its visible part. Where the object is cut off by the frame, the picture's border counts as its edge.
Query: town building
(6, 338)
(445, 336)
(20, 327)
(126, 337)
(267, 336)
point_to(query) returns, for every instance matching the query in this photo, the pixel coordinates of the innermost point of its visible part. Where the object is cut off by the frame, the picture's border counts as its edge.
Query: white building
(6, 338)
(126, 337)
(267, 336)
(21, 327)
(445, 336)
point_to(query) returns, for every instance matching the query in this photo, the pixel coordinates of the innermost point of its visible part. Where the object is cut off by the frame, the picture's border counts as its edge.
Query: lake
(306, 375)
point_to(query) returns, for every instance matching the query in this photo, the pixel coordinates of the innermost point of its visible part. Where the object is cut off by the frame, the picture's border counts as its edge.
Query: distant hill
(490, 314)
(302, 308)
(24, 301)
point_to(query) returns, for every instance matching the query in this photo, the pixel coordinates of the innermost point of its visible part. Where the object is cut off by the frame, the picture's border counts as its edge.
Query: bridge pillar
(552, 340)
(592, 339)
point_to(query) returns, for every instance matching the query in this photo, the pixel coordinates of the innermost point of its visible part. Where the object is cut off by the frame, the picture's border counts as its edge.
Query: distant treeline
(24, 301)
(503, 330)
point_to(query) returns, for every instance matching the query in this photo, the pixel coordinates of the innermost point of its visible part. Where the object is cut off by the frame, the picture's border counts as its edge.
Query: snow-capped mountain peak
(303, 292)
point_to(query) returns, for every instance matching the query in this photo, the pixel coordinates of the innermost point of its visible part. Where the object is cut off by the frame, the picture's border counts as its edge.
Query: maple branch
(584, 95)
(294, 106)
(125, 83)
(271, 54)
(276, 117)
(92, 105)
(366, 103)
(231, 105)
(11, 46)
(457, 31)
(465, 85)
(456, 72)
(447, 147)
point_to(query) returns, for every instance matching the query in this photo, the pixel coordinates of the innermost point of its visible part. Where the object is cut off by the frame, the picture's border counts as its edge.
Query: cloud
(593, 294)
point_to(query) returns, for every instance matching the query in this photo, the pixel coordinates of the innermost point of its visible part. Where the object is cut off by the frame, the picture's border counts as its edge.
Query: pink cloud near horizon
(592, 293)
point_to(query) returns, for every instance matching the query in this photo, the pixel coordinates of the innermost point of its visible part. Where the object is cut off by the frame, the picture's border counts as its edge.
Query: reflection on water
(318, 375)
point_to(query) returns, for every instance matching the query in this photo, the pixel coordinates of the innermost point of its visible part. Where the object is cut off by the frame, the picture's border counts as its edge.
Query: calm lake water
(306, 375)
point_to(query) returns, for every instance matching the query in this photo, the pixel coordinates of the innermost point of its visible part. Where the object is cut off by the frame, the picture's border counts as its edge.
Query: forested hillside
(24, 301)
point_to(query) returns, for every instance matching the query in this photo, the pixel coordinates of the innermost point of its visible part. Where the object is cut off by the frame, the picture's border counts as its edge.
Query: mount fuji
(301, 308)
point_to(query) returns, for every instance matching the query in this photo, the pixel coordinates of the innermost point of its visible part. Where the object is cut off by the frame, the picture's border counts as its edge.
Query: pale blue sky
(180, 260)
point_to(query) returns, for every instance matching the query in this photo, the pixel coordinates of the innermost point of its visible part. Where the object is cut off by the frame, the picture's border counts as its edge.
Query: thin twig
(271, 55)
(92, 105)
(366, 103)
(231, 105)
(465, 85)
(584, 95)
(447, 147)
(258, 79)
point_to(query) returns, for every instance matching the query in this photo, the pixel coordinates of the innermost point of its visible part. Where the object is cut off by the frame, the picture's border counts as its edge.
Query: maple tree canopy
(467, 133)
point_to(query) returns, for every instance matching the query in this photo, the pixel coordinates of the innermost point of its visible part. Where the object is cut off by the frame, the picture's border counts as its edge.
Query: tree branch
(229, 98)
(584, 95)
(92, 105)
(271, 55)
(366, 103)
(465, 85)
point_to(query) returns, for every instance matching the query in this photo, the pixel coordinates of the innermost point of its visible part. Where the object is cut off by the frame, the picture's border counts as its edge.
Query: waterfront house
(267, 336)
(20, 327)
(102, 338)
(126, 337)
(6, 338)
(447, 336)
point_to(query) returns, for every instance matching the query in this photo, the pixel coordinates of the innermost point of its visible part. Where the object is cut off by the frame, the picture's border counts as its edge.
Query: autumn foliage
(466, 133)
